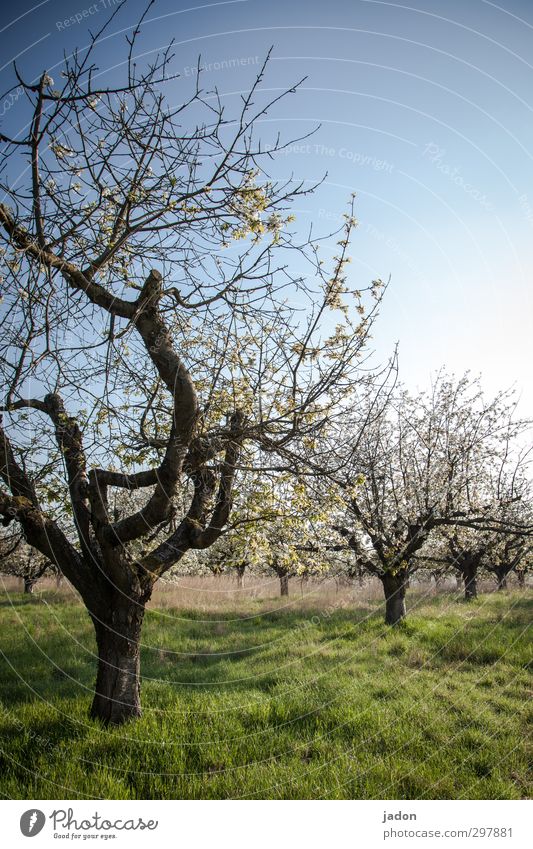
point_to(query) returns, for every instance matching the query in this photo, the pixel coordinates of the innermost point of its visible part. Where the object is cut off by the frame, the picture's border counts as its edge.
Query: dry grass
(212, 593)
(222, 592)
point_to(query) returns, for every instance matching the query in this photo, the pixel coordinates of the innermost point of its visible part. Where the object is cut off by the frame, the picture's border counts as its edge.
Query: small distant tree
(275, 526)
(465, 551)
(507, 554)
(522, 569)
(298, 538)
(234, 553)
(21, 561)
(439, 573)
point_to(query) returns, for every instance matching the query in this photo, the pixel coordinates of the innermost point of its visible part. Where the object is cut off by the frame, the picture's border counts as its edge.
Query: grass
(253, 699)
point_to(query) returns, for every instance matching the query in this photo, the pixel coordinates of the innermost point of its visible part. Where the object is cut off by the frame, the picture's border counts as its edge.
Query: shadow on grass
(20, 602)
(224, 650)
(43, 736)
(53, 657)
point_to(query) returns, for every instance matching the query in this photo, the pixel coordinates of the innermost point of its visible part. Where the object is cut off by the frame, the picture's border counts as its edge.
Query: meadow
(249, 696)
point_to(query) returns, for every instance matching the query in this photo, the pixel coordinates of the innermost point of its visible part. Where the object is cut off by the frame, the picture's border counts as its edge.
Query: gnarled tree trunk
(521, 575)
(501, 577)
(394, 587)
(284, 583)
(118, 684)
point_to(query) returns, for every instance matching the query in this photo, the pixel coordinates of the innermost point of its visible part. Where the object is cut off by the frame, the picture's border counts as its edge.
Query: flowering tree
(242, 546)
(508, 553)
(443, 459)
(149, 342)
(21, 561)
(276, 525)
(466, 550)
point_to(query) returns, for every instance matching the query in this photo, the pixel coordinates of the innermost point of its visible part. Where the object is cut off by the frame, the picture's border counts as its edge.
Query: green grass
(291, 703)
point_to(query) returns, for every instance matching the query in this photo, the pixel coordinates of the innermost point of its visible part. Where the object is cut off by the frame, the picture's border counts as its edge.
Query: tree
(148, 301)
(21, 561)
(521, 571)
(293, 539)
(506, 555)
(466, 551)
(275, 526)
(414, 465)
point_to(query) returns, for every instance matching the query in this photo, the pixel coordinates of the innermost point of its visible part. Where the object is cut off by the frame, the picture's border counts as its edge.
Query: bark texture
(117, 697)
(29, 584)
(394, 587)
(501, 577)
(469, 572)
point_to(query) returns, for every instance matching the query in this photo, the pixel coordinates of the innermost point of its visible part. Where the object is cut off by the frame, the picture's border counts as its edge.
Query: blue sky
(425, 110)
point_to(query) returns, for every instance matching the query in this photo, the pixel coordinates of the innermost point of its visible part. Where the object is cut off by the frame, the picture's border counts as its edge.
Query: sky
(423, 108)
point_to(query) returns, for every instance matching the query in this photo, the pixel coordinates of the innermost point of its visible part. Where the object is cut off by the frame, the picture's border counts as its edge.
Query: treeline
(437, 483)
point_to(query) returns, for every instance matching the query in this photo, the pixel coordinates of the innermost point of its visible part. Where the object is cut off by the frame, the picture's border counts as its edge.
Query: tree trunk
(394, 587)
(438, 577)
(29, 584)
(284, 584)
(470, 579)
(118, 687)
(501, 577)
(521, 575)
(240, 576)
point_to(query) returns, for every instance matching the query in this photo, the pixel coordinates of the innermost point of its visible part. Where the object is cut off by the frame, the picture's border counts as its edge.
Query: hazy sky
(425, 110)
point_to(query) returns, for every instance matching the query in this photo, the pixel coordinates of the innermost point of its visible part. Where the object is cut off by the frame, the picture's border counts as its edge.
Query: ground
(310, 698)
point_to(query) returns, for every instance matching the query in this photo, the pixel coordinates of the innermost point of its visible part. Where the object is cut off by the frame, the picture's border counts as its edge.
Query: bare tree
(155, 337)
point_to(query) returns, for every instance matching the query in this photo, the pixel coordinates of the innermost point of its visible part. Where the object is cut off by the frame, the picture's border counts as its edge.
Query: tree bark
(470, 580)
(284, 584)
(240, 576)
(118, 685)
(521, 575)
(501, 577)
(29, 584)
(437, 578)
(394, 587)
